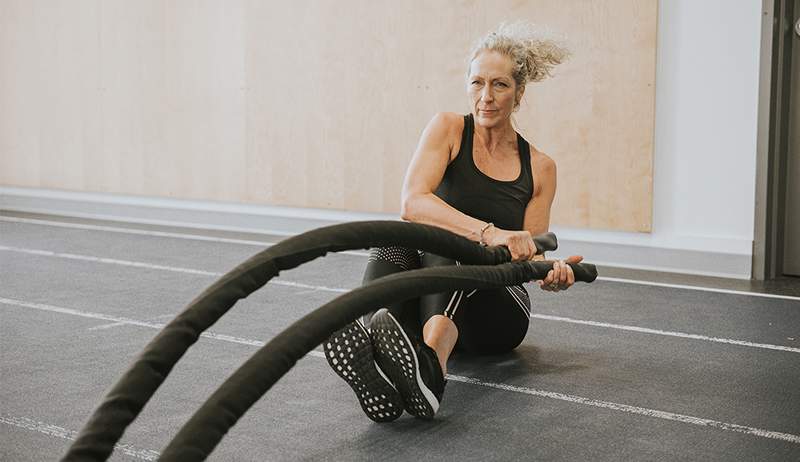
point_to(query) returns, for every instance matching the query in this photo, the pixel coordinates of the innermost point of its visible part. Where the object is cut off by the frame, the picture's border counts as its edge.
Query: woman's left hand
(561, 276)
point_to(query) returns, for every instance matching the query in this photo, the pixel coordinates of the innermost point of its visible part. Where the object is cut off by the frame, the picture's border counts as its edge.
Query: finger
(558, 268)
(548, 279)
(520, 249)
(553, 285)
(570, 276)
(574, 259)
(520, 253)
(556, 272)
(529, 248)
(523, 251)
(564, 275)
(513, 250)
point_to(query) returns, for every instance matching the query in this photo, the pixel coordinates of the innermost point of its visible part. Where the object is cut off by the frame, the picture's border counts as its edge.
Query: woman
(475, 176)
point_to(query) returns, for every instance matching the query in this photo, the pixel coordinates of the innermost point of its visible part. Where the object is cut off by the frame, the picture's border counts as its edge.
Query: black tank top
(470, 191)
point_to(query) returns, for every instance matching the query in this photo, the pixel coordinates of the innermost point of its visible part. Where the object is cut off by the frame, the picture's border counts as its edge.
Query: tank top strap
(465, 150)
(524, 156)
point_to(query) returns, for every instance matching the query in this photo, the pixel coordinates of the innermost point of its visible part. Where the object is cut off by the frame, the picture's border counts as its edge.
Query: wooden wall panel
(311, 103)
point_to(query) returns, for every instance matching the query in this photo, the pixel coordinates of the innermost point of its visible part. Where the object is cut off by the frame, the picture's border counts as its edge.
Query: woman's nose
(486, 95)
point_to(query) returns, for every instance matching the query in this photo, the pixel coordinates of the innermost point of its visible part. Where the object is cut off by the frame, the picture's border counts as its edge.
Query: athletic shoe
(412, 366)
(349, 353)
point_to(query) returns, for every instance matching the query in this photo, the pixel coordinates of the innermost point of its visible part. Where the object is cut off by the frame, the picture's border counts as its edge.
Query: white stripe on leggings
(450, 303)
(451, 306)
(458, 303)
(520, 303)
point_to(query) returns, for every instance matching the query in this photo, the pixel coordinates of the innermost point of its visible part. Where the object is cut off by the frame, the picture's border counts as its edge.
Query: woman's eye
(501, 84)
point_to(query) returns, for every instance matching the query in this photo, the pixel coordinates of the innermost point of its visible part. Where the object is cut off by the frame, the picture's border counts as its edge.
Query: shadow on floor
(523, 361)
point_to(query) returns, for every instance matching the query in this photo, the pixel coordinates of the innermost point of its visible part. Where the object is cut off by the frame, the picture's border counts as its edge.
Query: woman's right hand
(519, 243)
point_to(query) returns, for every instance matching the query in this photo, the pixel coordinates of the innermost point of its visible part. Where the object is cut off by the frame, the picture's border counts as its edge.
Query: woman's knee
(493, 322)
(389, 260)
(403, 257)
(384, 261)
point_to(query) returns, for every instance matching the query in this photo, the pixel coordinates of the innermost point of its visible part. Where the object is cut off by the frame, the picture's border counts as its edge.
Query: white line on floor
(198, 237)
(174, 269)
(312, 288)
(59, 432)
(500, 386)
(121, 320)
(107, 326)
(144, 232)
(703, 289)
(633, 409)
(117, 324)
(645, 330)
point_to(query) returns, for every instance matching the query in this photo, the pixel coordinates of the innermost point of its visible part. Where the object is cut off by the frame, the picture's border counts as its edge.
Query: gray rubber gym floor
(614, 370)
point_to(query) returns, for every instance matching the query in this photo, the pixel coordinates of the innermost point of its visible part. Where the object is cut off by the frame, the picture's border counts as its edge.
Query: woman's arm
(537, 220)
(437, 147)
(537, 212)
(425, 173)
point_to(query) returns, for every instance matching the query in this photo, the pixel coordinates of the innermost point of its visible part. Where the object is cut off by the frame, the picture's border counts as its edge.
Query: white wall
(704, 161)
(705, 134)
(224, 100)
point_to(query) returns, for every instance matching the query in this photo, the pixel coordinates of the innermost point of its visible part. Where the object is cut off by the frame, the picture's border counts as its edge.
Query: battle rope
(197, 439)
(123, 403)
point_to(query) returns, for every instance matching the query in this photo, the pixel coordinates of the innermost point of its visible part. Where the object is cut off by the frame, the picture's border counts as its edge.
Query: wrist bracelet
(483, 230)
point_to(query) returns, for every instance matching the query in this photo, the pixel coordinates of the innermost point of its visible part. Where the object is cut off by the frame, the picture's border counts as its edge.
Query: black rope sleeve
(197, 439)
(129, 395)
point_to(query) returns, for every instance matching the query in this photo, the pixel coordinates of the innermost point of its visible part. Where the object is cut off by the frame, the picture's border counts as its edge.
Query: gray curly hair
(532, 54)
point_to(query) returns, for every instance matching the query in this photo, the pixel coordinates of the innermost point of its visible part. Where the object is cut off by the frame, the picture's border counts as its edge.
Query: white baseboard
(717, 257)
(228, 216)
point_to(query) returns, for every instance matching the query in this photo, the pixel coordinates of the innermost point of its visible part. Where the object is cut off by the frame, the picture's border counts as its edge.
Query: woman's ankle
(440, 333)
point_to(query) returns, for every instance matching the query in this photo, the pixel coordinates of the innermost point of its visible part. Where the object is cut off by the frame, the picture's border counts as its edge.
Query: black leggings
(488, 321)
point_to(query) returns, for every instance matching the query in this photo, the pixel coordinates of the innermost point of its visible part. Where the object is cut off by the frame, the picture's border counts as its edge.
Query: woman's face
(491, 88)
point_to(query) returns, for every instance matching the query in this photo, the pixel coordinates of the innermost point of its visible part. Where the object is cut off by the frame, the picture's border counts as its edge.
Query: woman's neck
(494, 138)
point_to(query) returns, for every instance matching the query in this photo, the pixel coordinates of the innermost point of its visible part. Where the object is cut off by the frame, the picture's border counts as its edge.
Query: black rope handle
(545, 242)
(206, 428)
(123, 403)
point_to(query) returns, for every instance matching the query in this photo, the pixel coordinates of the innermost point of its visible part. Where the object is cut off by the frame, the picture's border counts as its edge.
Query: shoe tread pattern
(398, 360)
(350, 354)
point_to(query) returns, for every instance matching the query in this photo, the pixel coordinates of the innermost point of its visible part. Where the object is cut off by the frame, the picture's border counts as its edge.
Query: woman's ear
(518, 97)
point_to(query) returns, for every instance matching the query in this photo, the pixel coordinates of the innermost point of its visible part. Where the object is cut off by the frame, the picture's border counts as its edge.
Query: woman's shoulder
(451, 121)
(540, 161)
(448, 127)
(543, 169)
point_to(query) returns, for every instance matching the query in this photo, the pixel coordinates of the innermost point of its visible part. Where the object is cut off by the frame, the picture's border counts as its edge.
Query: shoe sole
(396, 356)
(349, 353)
